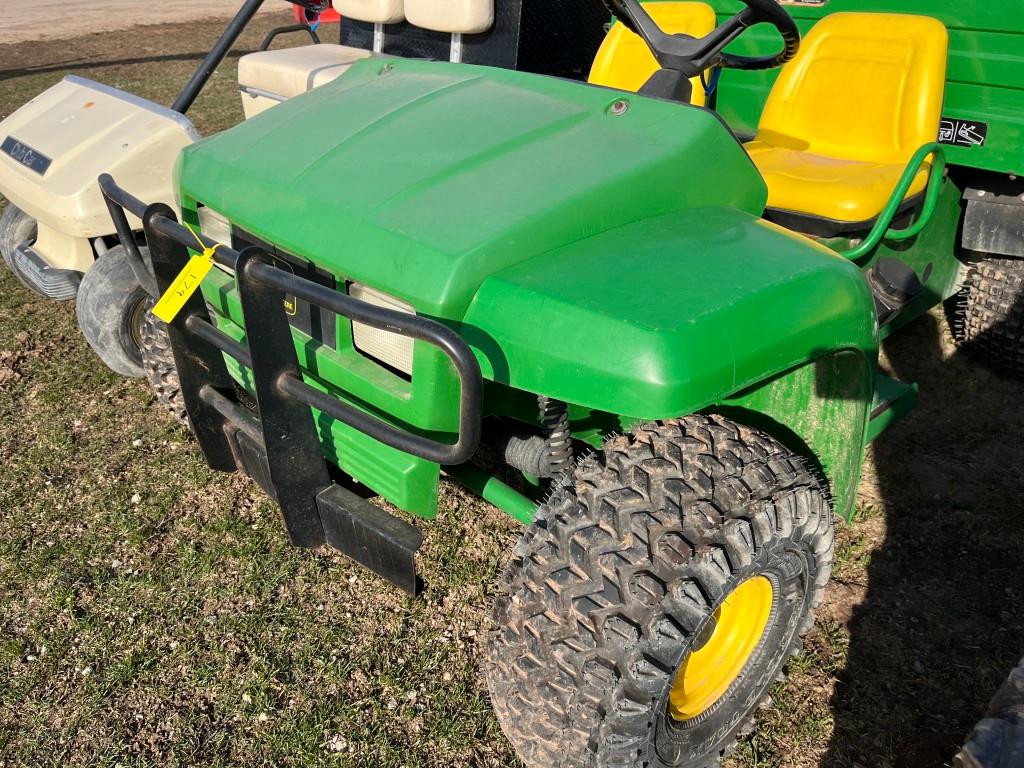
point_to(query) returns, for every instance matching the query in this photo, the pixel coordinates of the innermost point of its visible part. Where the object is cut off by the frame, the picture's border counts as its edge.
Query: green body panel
(707, 302)
(985, 81)
(407, 481)
(932, 256)
(820, 410)
(426, 177)
(432, 178)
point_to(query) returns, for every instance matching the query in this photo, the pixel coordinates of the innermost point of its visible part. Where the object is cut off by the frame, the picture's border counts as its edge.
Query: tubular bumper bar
(257, 275)
(280, 447)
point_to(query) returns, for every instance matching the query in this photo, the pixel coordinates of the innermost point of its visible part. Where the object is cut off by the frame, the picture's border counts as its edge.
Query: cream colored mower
(55, 232)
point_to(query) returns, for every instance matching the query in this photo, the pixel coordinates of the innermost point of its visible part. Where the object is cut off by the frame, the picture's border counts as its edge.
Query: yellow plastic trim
(623, 61)
(707, 672)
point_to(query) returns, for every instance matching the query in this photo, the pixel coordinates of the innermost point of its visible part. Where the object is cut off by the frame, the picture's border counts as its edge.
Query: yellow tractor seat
(845, 117)
(625, 62)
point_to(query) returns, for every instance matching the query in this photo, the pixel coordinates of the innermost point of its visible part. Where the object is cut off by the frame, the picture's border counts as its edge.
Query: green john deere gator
(665, 336)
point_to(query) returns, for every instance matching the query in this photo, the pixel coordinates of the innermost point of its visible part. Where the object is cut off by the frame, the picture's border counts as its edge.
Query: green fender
(702, 309)
(666, 316)
(819, 410)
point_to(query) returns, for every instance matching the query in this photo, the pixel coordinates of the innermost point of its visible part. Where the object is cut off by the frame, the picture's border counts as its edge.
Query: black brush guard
(280, 447)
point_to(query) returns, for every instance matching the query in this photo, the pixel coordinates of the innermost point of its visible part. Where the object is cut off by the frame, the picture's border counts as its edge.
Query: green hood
(424, 178)
(611, 260)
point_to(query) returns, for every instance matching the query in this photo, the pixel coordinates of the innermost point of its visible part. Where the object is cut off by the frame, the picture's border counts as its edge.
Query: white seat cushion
(467, 17)
(287, 72)
(375, 11)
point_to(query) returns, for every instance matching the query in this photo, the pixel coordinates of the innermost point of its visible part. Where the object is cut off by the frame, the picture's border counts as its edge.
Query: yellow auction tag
(185, 284)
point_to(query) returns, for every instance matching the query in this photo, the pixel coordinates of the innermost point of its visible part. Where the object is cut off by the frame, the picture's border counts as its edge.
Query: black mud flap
(351, 525)
(369, 535)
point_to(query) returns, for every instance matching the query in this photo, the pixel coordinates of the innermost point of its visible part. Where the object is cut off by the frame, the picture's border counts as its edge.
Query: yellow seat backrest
(624, 61)
(864, 86)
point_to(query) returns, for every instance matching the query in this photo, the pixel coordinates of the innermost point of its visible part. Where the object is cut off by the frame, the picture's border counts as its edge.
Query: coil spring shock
(554, 417)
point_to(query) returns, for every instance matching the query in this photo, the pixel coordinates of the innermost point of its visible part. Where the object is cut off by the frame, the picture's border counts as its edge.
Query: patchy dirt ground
(56, 19)
(151, 612)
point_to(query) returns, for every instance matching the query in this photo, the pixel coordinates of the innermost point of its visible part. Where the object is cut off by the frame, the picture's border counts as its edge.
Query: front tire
(17, 228)
(987, 317)
(158, 364)
(623, 583)
(111, 306)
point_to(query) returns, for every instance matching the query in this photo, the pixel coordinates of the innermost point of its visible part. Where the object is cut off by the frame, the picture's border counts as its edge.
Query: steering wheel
(312, 6)
(685, 57)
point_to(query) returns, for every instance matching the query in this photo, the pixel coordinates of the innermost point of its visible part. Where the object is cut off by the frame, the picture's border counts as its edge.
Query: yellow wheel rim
(737, 628)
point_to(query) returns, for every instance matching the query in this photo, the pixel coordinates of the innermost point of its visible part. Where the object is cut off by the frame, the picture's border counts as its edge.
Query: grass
(152, 612)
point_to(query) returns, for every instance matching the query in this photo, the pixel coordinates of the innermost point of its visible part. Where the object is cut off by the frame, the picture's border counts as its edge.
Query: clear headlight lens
(385, 346)
(214, 225)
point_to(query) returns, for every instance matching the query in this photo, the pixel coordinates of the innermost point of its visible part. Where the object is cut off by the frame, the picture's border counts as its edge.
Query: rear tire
(111, 306)
(16, 228)
(626, 574)
(997, 741)
(987, 317)
(159, 366)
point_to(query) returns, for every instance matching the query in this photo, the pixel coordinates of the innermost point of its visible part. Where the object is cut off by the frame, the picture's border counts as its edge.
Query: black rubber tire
(110, 307)
(16, 228)
(987, 316)
(997, 741)
(159, 367)
(624, 567)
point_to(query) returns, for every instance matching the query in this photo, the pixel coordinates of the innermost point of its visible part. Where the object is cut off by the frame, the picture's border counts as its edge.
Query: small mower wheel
(159, 367)
(657, 596)
(987, 316)
(16, 228)
(110, 307)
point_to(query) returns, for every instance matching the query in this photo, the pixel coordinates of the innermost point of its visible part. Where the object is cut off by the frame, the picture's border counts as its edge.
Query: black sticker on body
(962, 133)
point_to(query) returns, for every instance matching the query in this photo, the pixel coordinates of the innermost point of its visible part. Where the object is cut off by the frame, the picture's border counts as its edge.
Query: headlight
(214, 225)
(387, 347)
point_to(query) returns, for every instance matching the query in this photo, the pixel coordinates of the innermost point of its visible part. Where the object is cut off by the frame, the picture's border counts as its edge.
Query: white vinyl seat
(267, 78)
(458, 17)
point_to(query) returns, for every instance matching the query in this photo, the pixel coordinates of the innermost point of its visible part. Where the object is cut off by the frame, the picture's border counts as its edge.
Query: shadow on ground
(941, 621)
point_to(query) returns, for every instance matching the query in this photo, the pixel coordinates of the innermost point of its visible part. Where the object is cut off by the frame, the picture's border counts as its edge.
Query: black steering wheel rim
(691, 56)
(770, 12)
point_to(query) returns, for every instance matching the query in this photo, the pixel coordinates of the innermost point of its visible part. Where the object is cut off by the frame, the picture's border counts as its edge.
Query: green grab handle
(880, 231)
